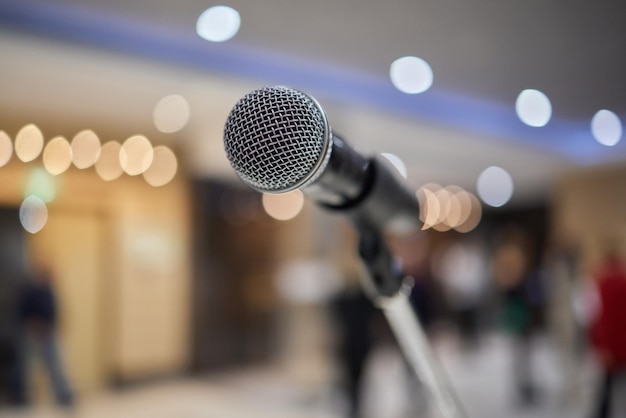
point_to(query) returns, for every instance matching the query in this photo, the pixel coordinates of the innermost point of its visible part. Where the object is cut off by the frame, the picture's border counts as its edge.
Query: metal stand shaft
(389, 290)
(417, 352)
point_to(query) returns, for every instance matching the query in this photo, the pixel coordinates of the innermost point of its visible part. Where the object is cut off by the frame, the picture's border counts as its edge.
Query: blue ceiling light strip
(572, 140)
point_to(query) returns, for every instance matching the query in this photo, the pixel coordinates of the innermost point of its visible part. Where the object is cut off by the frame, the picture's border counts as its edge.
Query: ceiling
(72, 63)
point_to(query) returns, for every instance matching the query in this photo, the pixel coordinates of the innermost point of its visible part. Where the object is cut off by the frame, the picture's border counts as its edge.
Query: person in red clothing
(608, 334)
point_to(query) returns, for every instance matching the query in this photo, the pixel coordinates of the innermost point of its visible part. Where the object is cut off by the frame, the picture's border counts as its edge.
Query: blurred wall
(234, 302)
(120, 253)
(589, 209)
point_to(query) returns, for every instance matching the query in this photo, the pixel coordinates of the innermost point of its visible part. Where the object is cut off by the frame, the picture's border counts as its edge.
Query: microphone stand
(389, 290)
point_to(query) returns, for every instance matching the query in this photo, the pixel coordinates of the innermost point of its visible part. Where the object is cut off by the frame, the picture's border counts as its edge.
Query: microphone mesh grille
(275, 138)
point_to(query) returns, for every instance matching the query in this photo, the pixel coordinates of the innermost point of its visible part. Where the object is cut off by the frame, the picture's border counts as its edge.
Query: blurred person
(37, 312)
(608, 336)
(522, 295)
(354, 313)
(564, 282)
(463, 270)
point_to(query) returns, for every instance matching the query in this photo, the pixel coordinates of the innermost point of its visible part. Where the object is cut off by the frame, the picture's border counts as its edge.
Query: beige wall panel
(71, 245)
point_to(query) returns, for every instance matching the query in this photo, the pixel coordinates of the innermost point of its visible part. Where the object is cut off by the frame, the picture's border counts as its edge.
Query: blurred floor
(481, 377)
(484, 381)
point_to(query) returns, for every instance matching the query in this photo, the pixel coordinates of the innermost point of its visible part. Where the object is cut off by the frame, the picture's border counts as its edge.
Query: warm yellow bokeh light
(28, 143)
(445, 208)
(445, 205)
(474, 217)
(465, 200)
(442, 227)
(429, 205)
(457, 213)
(108, 165)
(284, 206)
(85, 149)
(430, 210)
(57, 155)
(163, 167)
(136, 155)
(6, 148)
(456, 210)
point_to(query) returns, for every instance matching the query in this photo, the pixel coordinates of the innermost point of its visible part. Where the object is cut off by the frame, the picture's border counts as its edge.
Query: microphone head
(277, 139)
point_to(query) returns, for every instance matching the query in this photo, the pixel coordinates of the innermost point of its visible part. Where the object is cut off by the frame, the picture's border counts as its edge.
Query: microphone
(278, 139)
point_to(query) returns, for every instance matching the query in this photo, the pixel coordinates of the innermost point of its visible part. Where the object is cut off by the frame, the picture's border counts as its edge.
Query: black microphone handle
(365, 190)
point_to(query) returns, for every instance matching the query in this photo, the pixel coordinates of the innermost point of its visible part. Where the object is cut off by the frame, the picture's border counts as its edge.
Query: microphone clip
(385, 277)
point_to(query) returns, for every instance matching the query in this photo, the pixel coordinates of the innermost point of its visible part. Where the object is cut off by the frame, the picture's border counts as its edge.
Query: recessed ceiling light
(606, 127)
(218, 23)
(533, 108)
(495, 186)
(411, 75)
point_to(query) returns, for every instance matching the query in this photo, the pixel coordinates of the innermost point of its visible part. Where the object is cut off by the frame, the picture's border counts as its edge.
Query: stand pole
(389, 290)
(416, 349)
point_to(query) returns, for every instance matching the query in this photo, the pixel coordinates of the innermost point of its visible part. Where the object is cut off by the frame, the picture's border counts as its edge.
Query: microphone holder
(389, 289)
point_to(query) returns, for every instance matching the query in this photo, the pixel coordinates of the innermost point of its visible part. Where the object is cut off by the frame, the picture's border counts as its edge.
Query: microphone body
(278, 139)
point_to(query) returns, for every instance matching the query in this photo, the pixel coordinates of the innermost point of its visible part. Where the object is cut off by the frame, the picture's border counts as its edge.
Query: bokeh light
(85, 149)
(6, 148)
(57, 155)
(606, 127)
(163, 168)
(429, 204)
(474, 216)
(136, 155)
(283, 206)
(455, 209)
(171, 113)
(465, 201)
(533, 108)
(33, 214)
(495, 186)
(411, 75)
(443, 209)
(218, 23)
(397, 163)
(444, 197)
(40, 183)
(28, 143)
(108, 165)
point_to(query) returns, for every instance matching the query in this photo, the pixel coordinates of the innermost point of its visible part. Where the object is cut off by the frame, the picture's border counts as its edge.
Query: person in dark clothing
(354, 312)
(37, 311)
(521, 292)
(521, 318)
